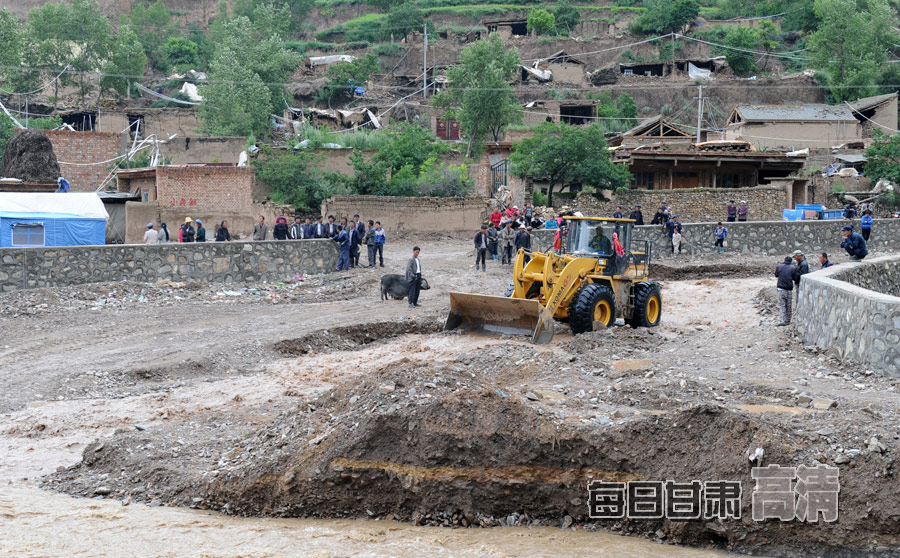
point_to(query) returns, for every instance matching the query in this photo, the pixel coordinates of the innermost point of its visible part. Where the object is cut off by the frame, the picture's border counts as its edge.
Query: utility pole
(425, 62)
(672, 42)
(699, 113)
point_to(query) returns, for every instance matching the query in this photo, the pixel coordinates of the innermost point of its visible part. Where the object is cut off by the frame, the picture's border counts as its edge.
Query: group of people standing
(501, 244)
(791, 271)
(186, 232)
(350, 236)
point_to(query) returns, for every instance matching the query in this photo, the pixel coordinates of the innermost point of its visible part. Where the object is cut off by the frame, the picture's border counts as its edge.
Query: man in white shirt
(151, 236)
(414, 276)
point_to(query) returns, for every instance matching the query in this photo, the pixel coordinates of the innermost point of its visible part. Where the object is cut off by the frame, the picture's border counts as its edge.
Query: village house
(706, 165)
(812, 126)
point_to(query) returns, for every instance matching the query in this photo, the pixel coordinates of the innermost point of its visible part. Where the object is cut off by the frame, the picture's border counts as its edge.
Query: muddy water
(38, 523)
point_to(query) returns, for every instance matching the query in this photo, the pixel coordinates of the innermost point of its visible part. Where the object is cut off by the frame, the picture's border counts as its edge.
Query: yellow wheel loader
(591, 281)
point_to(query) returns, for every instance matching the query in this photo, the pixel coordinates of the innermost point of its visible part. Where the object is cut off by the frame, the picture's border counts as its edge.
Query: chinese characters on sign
(191, 202)
(783, 493)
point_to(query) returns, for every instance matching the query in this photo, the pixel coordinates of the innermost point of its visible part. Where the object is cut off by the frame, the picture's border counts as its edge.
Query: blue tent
(60, 219)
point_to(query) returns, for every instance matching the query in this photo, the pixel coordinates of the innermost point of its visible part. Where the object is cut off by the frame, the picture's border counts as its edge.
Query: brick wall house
(172, 192)
(85, 147)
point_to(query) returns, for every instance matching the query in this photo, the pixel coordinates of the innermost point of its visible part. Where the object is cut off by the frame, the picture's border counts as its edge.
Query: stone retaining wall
(849, 309)
(211, 262)
(777, 238)
(766, 203)
(412, 214)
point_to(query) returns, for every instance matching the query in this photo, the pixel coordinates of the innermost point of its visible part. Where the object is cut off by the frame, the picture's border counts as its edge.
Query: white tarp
(541, 75)
(696, 73)
(190, 90)
(798, 153)
(82, 204)
(331, 59)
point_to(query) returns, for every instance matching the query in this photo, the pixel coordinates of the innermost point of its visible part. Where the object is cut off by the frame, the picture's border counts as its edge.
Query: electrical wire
(45, 86)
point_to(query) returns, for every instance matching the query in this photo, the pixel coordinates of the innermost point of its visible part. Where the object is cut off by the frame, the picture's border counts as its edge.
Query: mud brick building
(83, 148)
(171, 193)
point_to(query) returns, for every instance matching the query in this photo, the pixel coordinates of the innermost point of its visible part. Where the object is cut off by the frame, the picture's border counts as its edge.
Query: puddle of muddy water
(39, 523)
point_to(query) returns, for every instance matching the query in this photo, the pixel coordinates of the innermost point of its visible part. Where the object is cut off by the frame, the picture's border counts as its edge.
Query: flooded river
(36, 523)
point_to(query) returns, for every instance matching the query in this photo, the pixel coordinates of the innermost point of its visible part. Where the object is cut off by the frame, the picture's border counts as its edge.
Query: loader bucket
(497, 315)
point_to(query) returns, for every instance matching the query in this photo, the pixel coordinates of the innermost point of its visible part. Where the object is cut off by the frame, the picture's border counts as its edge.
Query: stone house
(793, 127)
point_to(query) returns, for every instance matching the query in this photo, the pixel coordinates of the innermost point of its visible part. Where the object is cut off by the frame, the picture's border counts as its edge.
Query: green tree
(237, 101)
(12, 45)
(292, 13)
(343, 77)
(540, 21)
(126, 62)
(180, 52)
(248, 62)
(153, 25)
(664, 16)
(884, 158)
(745, 38)
(78, 35)
(403, 19)
(293, 178)
(409, 145)
(565, 155)
(567, 16)
(851, 45)
(369, 177)
(442, 180)
(479, 94)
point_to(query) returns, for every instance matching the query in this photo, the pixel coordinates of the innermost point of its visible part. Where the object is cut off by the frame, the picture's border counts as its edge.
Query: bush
(541, 21)
(180, 52)
(442, 180)
(538, 199)
(292, 178)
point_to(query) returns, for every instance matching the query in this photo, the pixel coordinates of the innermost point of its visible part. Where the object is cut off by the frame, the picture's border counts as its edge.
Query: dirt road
(316, 398)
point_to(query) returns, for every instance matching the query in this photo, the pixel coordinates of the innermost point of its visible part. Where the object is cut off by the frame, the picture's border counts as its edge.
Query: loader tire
(647, 305)
(592, 303)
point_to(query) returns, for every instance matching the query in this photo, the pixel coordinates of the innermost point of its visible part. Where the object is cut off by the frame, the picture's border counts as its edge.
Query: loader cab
(591, 237)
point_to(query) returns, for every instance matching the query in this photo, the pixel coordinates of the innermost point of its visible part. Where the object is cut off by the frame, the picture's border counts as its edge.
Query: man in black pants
(481, 248)
(414, 276)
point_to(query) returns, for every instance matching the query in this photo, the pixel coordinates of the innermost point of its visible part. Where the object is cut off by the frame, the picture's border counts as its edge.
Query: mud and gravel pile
(472, 443)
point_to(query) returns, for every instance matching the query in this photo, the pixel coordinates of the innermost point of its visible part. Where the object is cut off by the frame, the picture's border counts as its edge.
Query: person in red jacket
(496, 217)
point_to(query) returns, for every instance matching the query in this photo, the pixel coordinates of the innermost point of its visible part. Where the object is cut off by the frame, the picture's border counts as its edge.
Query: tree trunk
(469, 148)
(550, 194)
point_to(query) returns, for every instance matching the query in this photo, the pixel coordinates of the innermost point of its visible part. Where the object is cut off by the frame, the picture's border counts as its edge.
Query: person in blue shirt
(720, 233)
(380, 239)
(617, 214)
(866, 225)
(343, 240)
(823, 259)
(854, 244)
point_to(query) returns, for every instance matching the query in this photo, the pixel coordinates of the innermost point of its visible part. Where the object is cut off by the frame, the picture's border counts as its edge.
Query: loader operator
(600, 243)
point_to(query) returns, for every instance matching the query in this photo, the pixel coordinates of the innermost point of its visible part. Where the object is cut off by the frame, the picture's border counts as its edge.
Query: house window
(643, 180)
(28, 234)
(728, 181)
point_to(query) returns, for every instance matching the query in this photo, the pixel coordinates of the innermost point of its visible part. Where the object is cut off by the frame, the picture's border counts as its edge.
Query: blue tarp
(58, 230)
(43, 219)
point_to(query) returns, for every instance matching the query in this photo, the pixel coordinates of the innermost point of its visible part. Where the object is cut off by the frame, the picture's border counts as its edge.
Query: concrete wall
(852, 309)
(412, 214)
(217, 262)
(85, 147)
(690, 205)
(797, 135)
(775, 238)
(161, 121)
